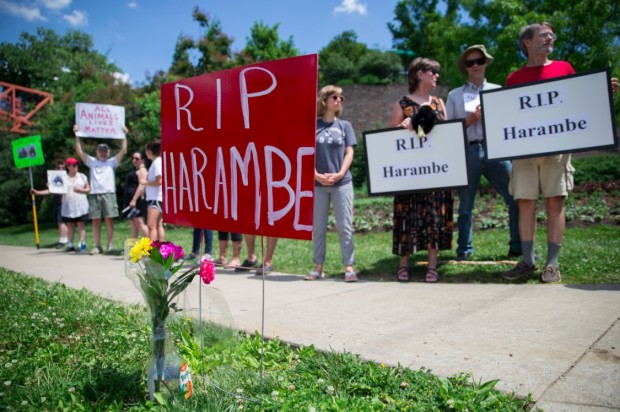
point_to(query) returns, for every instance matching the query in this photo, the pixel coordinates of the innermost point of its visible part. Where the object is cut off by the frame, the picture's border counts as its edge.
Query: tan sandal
(431, 275)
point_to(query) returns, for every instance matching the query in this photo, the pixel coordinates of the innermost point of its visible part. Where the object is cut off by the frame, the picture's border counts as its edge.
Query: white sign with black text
(398, 161)
(568, 114)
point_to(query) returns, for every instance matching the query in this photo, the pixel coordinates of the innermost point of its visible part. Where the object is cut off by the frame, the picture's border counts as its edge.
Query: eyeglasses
(334, 97)
(480, 61)
(433, 71)
(547, 34)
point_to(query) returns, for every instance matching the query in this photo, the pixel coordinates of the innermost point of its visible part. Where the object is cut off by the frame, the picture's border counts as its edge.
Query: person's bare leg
(161, 232)
(236, 256)
(223, 251)
(97, 231)
(109, 224)
(249, 244)
(271, 248)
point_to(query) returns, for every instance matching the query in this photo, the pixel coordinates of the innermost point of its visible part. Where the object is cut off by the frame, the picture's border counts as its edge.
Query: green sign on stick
(28, 152)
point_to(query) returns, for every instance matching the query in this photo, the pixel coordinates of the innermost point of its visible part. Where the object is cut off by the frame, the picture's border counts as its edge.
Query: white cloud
(28, 13)
(351, 7)
(132, 4)
(56, 4)
(77, 18)
(121, 77)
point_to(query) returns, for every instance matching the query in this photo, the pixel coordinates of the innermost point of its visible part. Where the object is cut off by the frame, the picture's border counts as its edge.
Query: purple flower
(168, 248)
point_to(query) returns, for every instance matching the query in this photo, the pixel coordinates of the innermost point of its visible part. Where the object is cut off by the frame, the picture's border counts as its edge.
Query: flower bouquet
(155, 267)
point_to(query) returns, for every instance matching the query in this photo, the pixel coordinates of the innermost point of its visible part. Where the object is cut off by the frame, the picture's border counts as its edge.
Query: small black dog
(423, 121)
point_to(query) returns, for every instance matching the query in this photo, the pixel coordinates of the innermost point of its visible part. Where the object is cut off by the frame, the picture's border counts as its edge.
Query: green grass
(590, 253)
(69, 350)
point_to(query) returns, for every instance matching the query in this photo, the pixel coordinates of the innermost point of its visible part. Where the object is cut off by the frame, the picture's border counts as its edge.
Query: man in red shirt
(551, 175)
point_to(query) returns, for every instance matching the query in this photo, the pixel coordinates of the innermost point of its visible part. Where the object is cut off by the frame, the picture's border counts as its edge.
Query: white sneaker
(206, 256)
(96, 250)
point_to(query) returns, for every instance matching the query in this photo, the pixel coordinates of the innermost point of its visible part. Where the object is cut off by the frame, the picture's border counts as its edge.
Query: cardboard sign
(399, 161)
(564, 115)
(100, 120)
(238, 149)
(27, 151)
(57, 181)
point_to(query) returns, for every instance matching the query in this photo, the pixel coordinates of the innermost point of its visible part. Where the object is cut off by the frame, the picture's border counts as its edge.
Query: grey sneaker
(520, 270)
(551, 274)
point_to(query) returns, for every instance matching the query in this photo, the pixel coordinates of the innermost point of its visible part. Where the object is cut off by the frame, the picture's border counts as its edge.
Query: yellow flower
(141, 248)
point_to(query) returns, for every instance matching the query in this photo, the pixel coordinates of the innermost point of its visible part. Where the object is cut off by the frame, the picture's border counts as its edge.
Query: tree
(346, 61)
(264, 44)
(587, 37)
(212, 49)
(69, 68)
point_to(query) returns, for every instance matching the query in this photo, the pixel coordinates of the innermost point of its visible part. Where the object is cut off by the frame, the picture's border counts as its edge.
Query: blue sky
(139, 35)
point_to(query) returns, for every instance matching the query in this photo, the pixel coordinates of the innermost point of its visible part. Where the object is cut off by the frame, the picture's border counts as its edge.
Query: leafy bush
(598, 168)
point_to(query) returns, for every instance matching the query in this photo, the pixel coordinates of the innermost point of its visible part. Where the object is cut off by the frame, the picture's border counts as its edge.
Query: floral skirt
(423, 221)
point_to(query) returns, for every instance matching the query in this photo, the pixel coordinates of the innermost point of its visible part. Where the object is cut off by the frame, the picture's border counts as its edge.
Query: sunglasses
(433, 71)
(336, 98)
(479, 62)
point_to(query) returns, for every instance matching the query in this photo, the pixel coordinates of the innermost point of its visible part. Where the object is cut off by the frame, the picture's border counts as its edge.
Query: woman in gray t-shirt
(335, 141)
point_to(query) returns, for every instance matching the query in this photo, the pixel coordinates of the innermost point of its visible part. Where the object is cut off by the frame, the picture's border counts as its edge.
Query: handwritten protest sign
(100, 120)
(568, 114)
(238, 149)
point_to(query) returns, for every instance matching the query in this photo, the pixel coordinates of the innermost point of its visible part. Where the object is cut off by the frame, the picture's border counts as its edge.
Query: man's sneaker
(82, 248)
(70, 249)
(551, 274)
(206, 256)
(460, 257)
(111, 249)
(191, 256)
(520, 270)
(61, 245)
(96, 250)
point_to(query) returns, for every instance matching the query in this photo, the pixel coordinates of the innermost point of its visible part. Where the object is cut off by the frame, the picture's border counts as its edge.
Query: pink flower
(207, 271)
(168, 248)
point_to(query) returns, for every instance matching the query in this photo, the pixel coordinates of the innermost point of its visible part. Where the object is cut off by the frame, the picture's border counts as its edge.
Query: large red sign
(238, 149)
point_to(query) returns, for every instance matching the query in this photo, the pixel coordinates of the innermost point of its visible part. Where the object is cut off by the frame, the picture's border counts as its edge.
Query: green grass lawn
(70, 350)
(590, 253)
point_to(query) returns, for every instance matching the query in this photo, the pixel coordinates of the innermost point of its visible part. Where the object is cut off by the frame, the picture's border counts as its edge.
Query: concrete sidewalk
(561, 343)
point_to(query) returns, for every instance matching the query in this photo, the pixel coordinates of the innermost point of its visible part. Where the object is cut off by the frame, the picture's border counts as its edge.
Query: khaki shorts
(551, 175)
(102, 205)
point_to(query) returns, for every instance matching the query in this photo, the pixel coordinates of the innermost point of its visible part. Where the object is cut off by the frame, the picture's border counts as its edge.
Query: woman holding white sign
(421, 220)
(335, 140)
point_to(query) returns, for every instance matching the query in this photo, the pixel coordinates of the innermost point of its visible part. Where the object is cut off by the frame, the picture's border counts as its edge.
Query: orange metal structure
(13, 112)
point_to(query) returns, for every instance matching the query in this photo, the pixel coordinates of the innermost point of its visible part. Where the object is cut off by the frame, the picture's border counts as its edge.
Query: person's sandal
(431, 275)
(220, 262)
(403, 274)
(350, 277)
(313, 275)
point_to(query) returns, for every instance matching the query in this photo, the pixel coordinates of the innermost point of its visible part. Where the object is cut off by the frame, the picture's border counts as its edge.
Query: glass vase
(167, 374)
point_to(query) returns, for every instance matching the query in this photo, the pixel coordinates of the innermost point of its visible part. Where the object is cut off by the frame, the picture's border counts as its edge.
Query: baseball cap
(103, 147)
(71, 161)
